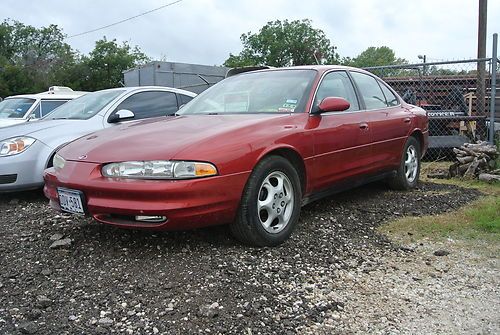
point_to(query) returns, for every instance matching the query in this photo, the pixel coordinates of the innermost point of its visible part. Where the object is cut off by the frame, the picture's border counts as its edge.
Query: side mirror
(121, 115)
(332, 104)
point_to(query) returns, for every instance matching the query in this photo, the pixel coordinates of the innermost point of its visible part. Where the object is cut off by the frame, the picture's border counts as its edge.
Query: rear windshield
(84, 107)
(15, 108)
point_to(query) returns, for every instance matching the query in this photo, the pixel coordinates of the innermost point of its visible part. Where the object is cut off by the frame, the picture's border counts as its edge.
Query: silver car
(26, 150)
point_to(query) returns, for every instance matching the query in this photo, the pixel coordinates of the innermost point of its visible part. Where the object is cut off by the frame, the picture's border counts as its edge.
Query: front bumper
(24, 171)
(185, 203)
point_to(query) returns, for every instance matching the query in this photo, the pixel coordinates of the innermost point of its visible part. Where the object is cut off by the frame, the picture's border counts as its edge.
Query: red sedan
(248, 152)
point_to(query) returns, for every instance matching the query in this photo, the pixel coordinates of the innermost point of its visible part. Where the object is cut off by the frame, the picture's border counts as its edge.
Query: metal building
(192, 77)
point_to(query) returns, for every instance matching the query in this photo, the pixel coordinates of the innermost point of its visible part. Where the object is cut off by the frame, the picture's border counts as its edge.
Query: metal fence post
(494, 64)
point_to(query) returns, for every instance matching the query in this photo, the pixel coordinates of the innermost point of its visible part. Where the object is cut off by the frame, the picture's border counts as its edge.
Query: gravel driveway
(62, 274)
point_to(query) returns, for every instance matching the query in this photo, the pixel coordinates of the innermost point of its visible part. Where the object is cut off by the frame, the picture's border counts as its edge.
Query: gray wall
(178, 75)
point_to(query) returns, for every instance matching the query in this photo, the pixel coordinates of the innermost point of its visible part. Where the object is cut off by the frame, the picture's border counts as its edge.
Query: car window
(337, 84)
(184, 99)
(370, 90)
(15, 107)
(389, 96)
(150, 104)
(49, 105)
(86, 106)
(36, 113)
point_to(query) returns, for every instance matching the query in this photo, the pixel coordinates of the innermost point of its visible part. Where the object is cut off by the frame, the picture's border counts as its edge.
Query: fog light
(150, 218)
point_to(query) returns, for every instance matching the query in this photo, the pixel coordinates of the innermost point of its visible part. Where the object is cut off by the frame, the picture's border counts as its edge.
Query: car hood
(52, 132)
(159, 139)
(10, 122)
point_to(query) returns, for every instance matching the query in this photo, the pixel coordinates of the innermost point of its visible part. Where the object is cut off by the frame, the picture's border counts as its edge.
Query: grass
(479, 220)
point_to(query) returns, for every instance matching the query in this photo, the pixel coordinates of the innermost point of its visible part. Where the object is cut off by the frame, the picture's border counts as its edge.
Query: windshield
(15, 108)
(281, 91)
(84, 107)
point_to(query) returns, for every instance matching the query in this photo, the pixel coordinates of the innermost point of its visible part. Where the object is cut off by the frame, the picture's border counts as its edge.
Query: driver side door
(341, 139)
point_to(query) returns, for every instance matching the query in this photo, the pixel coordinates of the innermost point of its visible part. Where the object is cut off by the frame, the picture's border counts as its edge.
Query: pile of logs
(476, 161)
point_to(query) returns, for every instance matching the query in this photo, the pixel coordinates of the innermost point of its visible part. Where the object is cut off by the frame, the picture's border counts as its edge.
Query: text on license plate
(70, 200)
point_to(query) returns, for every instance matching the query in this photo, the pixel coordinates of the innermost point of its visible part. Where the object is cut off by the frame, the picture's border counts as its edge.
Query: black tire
(248, 228)
(401, 181)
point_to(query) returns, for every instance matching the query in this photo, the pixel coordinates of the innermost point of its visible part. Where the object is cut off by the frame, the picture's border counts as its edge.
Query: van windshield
(15, 108)
(84, 107)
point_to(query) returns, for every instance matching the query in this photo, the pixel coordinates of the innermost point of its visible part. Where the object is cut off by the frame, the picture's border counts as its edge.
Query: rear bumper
(185, 203)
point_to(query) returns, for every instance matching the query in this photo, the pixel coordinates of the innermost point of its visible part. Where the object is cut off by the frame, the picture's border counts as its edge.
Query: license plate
(71, 200)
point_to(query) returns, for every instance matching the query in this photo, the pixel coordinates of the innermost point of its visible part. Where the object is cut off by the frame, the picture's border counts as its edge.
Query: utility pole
(424, 60)
(481, 65)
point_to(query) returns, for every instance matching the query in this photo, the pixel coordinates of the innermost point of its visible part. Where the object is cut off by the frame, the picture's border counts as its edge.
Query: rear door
(341, 139)
(389, 122)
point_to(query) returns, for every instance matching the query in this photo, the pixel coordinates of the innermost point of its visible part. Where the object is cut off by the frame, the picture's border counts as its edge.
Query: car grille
(8, 178)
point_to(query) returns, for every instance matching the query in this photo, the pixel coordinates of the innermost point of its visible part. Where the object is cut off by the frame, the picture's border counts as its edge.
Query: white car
(23, 108)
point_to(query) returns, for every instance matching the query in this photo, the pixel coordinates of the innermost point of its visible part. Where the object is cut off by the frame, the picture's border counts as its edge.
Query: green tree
(284, 43)
(32, 59)
(375, 56)
(105, 64)
(30, 53)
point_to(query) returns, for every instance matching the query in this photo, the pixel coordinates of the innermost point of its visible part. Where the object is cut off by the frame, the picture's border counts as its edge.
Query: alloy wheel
(275, 202)
(411, 163)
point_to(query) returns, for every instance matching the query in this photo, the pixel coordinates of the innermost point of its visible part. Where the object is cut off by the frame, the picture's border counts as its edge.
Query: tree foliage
(32, 59)
(106, 63)
(375, 56)
(284, 43)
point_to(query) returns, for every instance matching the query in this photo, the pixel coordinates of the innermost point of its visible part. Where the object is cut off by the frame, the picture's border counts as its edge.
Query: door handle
(363, 126)
(406, 120)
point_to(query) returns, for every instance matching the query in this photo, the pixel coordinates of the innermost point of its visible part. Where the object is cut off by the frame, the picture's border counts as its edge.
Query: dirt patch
(103, 279)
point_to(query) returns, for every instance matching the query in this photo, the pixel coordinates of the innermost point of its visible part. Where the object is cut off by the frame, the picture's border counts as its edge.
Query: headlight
(58, 162)
(16, 145)
(159, 170)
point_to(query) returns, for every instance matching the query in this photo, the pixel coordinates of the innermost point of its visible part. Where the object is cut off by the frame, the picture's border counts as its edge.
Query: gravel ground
(62, 274)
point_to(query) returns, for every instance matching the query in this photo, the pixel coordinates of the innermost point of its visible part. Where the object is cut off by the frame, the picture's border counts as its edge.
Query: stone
(28, 328)
(441, 253)
(56, 236)
(43, 301)
(210, 311)
(61, 244)
(33, 314)
(105, 322)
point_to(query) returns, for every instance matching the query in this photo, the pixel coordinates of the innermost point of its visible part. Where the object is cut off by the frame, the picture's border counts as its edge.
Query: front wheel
(270, 205)
(409, 169)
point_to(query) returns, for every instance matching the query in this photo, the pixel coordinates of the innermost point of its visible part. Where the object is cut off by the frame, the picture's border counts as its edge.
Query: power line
(124, 20)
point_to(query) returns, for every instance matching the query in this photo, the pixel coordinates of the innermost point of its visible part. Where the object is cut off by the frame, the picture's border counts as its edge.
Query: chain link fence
(455, 94)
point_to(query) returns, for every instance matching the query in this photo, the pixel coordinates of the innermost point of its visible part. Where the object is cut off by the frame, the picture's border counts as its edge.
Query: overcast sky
(206, 31)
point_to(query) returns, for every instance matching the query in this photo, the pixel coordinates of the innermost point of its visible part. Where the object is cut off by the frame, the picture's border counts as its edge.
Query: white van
(26, 107)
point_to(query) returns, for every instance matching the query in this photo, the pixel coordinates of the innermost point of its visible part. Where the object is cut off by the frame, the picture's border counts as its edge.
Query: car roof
(319, 68)
(49, 95)
(147, 88)
(76, 94)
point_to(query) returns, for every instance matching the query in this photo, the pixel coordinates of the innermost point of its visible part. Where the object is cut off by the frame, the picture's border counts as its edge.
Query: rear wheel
(409, 169)
(270, 205)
